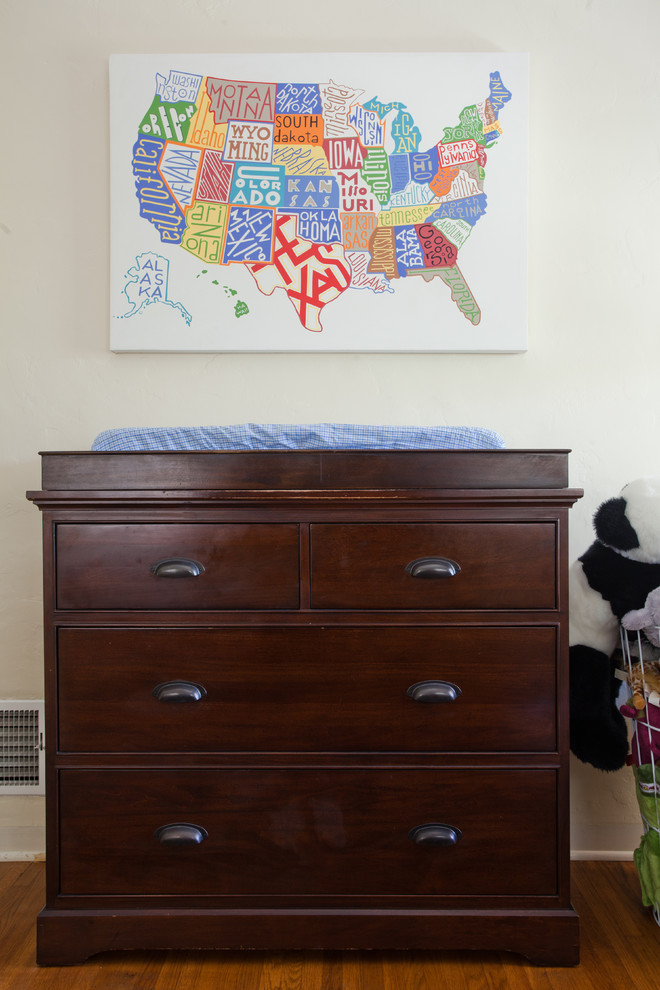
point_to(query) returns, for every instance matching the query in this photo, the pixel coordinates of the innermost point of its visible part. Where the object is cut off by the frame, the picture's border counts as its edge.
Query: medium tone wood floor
(620, 949)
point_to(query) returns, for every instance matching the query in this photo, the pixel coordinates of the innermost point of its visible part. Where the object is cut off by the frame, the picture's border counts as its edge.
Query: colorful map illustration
(316, 188)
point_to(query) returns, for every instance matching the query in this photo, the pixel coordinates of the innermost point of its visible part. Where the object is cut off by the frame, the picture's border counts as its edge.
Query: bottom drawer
(308, 831)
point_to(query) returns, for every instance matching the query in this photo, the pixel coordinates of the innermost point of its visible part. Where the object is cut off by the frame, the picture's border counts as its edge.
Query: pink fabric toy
(646, 733)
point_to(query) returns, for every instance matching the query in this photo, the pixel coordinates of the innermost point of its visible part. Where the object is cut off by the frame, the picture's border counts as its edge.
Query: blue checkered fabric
(319, 436)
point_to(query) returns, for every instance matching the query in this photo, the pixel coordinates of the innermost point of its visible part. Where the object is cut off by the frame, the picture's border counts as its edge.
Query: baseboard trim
(605, 840)
(22, 843)
(615, 855)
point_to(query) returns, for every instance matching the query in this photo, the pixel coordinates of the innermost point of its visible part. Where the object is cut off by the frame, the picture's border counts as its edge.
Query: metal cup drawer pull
(176, 692)
(432, 567)
(181, 834)
(435, 835)
(177, 567)
(434, 692)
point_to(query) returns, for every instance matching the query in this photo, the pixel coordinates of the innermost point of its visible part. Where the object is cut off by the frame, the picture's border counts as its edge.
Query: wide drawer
(316, 832)
(305, 689)
(500, 565)
(172, 566)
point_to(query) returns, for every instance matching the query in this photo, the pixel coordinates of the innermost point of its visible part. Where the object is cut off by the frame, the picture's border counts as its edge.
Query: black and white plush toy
(612, 578)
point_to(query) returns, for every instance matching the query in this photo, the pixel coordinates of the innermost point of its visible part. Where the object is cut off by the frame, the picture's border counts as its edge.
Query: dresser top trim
(303, 471)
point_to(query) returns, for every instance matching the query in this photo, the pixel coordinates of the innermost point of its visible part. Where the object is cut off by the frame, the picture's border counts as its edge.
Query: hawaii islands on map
(316, 188)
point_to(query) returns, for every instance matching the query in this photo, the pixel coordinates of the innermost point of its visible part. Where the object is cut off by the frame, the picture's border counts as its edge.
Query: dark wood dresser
(307, 700)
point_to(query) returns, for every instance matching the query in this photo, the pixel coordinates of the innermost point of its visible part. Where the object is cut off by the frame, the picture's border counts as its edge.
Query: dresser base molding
(546, 938)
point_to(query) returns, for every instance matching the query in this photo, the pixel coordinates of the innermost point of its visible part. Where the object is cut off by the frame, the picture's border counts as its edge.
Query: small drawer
(171, 566)
(434, 566)
(300, 689)
(308, 832)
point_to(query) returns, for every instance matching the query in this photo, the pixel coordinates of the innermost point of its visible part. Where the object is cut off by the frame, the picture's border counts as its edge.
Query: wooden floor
(620, 949)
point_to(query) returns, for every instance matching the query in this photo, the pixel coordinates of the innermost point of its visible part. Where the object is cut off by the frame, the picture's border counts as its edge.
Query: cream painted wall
(588, 381)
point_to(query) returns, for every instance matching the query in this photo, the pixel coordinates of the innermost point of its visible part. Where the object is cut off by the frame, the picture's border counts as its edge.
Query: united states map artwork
(316, 188)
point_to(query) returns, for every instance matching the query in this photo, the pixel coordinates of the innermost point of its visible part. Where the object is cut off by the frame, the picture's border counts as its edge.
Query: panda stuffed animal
(613, 577)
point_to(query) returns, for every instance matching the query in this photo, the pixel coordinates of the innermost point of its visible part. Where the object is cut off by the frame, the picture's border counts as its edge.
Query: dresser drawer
(316, 832)
(499, 566)
(307, 689)
(171, 566)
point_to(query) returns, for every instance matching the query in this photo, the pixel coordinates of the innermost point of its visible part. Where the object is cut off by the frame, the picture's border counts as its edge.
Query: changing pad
(318, 436)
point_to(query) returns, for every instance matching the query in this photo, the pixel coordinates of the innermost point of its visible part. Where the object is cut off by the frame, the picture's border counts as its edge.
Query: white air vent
(21, 747)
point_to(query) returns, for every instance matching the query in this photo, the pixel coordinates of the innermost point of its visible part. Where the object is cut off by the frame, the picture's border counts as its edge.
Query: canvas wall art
(320, 202)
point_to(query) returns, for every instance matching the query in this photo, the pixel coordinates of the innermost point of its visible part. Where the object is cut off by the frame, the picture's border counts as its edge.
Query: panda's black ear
(613, 526)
